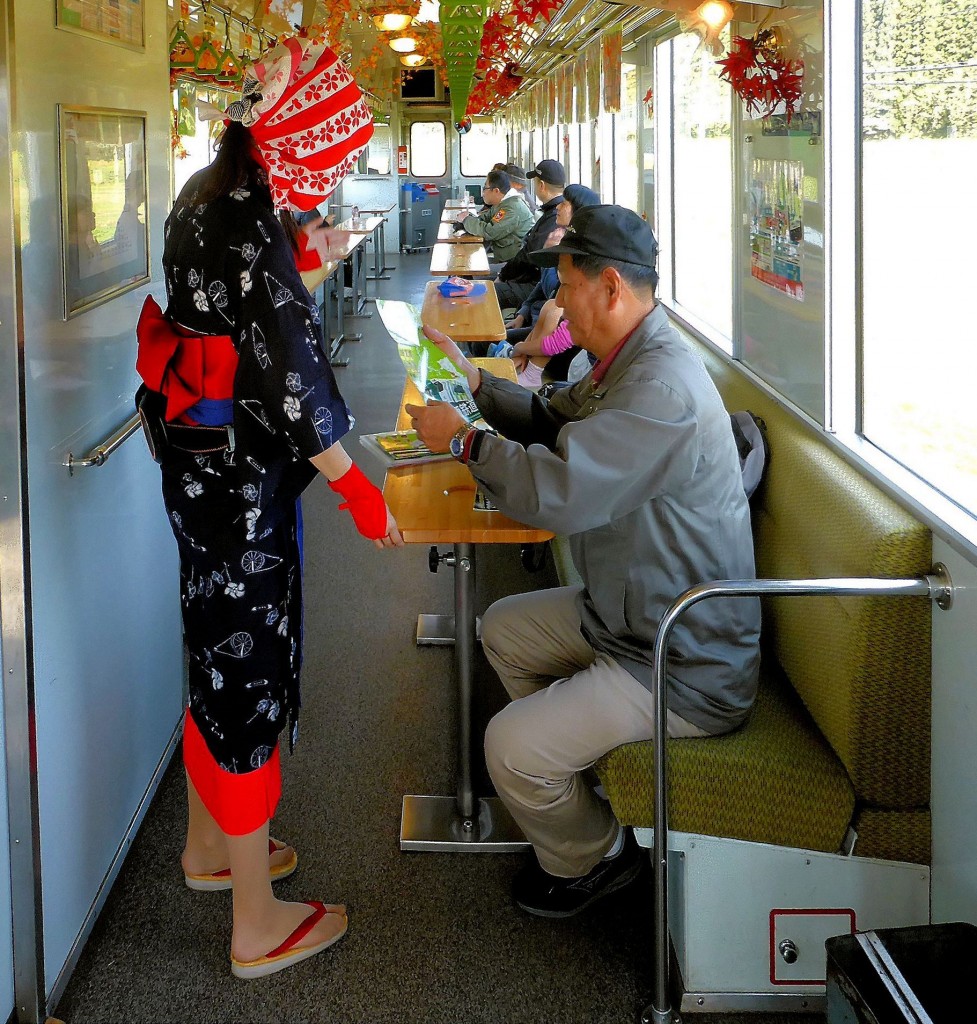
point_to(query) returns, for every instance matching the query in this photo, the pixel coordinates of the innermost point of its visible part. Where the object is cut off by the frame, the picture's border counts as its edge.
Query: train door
(92, 654)
(426, 182)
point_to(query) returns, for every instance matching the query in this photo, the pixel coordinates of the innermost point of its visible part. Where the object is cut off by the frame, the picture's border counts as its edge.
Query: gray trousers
(570, 704)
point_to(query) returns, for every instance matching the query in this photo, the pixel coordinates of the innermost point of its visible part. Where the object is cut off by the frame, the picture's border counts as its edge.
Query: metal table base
(380, 267)
(462, 823)
(432, 824)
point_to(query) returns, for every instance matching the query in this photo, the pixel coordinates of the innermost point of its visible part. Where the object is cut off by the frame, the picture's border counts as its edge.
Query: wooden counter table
(451, 216)
(447, 233)
(450, 258)
(353, 251)
(325, 276)
(464, 318)
(380, 244)
(432, 504)
(459, 204)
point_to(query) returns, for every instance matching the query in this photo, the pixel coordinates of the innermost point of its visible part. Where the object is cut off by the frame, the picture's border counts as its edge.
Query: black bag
(151, 406)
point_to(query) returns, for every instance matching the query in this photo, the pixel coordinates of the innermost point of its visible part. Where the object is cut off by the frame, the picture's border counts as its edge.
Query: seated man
(637, 464)
(505, 220)
(520, 275)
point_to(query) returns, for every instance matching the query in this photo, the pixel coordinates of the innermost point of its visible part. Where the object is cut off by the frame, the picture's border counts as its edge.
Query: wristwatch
(457, 443)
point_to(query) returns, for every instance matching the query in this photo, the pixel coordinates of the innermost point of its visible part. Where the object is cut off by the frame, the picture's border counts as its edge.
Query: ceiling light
(392, 22)
(413, 60)
(403, 44)
(715, 13)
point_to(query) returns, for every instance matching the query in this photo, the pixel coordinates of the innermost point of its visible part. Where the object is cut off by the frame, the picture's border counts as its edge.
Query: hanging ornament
(182, 53)
(761, 75)
(208, 56)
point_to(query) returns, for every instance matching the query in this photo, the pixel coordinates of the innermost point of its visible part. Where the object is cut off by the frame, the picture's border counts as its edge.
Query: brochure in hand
(401, 447)
(433, 373)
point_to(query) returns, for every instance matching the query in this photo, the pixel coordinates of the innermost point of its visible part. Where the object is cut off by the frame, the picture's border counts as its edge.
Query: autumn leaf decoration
(761, 75)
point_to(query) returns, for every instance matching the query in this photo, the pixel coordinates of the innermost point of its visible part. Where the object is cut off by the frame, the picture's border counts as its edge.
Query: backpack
(750, 434)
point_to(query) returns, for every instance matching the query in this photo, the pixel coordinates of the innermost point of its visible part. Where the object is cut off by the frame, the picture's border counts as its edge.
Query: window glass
(553, 142)
(482, 147)
(646, 118)
(919, 219)
(587, 155)
(626, 141)
(379, 153)
(537, 148)
(604, 157)
(573, 165)
(702, 185)
(427, 149)
(196, 151)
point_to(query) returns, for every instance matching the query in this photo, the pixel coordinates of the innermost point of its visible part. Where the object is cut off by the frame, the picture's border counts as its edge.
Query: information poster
(118, 20)
(776, 228)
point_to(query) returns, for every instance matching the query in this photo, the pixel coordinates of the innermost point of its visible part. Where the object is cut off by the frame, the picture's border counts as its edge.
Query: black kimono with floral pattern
(229, 270)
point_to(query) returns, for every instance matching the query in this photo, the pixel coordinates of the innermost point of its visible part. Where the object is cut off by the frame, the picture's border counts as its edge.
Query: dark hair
(234, 167)
(639, 278)
(515, 172)
(499, 180)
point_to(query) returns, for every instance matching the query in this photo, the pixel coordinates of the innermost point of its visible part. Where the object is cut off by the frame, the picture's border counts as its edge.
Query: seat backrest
(860, 665)
(557, 366)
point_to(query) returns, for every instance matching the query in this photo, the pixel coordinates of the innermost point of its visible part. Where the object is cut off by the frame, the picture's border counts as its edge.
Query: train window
(626, 141)
(587, 155)
(919, 219)
(482, 147)
(573, 161)
(604, 157)
(427, 149)
(536, 151)
(553, 142)
(702, 186)
(379, 152)
(646, 118)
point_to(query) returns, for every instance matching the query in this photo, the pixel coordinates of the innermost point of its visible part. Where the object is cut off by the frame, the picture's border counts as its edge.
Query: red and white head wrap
(309, 124)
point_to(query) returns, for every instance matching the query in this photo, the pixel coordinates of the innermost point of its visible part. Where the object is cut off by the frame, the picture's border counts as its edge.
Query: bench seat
(775, 780)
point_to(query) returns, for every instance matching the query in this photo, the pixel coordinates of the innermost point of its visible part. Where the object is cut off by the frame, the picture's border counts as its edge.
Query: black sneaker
(538, 892)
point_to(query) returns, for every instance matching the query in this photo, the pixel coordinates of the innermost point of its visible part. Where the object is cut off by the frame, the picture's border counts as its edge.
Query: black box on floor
(901, 975)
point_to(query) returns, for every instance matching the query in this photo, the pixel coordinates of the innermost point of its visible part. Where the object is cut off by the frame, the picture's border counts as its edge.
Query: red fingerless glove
(364, 501)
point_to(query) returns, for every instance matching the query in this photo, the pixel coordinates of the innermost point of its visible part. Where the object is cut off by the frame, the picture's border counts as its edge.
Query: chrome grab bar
(936, 585)
(100, 453)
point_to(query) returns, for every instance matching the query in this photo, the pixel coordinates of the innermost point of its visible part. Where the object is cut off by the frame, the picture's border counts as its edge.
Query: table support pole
(462, 823)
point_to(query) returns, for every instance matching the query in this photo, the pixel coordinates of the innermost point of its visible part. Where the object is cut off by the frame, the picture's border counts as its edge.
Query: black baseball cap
(608, 232)
(579, 196)
(550, 171)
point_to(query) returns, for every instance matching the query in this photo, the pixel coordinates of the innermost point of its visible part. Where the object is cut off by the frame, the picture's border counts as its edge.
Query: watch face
(456, 446)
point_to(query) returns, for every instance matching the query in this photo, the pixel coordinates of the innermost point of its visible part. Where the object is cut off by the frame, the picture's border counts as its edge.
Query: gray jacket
(641, 471)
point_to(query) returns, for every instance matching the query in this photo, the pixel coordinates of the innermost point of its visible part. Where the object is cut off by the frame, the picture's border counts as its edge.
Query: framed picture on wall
(104, 220)
(119, 21)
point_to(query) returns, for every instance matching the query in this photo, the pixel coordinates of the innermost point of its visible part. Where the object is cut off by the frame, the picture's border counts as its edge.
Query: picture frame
(104, 204)
(122, 22)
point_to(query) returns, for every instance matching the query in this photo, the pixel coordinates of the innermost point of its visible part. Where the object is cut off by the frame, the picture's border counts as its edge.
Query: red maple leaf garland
(761, 76)
(528, 11)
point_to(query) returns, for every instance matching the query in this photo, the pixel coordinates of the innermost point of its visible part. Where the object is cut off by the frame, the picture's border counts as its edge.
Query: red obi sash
(184, 366)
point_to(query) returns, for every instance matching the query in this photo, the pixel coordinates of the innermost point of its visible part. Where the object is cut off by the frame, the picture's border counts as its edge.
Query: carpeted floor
(434, 938)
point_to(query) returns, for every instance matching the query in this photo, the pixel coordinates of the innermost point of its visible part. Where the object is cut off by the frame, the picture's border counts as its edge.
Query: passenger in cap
(520, 275)
(533, 349)
(637, 465)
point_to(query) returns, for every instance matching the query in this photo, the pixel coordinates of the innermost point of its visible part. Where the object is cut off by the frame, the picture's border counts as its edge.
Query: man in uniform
(506, 219)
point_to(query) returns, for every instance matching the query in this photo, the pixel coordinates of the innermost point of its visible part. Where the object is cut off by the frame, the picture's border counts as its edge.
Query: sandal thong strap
(318, 913)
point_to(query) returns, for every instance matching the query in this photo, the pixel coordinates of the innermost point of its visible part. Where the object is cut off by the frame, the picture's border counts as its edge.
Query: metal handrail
(937, 586)
(100, 453)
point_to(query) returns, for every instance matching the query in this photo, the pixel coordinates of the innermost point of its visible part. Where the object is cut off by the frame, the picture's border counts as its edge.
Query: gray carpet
(433, 938)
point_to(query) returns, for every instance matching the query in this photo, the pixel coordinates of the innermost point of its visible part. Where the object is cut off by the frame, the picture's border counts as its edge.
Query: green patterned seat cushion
(775, 780)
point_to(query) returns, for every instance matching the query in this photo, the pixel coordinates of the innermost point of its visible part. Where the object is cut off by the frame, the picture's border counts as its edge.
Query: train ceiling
(524, 40)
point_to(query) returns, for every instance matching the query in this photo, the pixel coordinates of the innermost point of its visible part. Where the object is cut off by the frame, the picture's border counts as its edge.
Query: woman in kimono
(245, 410)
